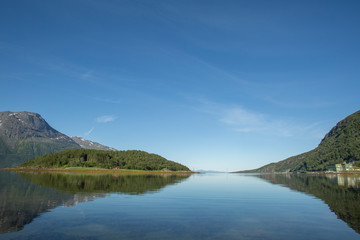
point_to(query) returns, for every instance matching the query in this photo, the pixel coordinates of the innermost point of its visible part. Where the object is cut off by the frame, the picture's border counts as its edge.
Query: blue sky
(221, 85)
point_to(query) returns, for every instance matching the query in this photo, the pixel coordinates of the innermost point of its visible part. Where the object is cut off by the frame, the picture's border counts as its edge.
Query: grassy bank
(95, 170)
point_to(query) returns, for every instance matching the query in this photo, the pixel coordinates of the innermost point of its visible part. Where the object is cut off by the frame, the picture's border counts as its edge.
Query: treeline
(131, 159)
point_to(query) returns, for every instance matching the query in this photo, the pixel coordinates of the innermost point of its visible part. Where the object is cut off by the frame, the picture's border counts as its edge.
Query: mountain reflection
(340, 192)
(25, 195)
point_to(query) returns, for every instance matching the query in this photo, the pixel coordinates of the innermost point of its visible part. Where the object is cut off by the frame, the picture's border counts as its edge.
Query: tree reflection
(340, 192)
(26, 195)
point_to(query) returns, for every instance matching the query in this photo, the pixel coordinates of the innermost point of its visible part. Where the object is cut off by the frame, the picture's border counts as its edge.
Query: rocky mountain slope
(25, 135)
(341, 143)
(91, 145)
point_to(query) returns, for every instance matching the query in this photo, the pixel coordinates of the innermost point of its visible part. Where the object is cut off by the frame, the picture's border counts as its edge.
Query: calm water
(206, 206)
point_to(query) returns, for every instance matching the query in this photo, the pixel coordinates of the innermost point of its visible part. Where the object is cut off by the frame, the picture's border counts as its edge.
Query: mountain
(341, 143)
(91, 145)
(131, 159)
(25, 135)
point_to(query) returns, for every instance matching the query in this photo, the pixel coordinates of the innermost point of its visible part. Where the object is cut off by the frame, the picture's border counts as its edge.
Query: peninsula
(100, 159)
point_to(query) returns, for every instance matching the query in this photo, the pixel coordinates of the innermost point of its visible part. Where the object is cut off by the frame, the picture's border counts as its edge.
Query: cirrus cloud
(244, 120)
(105, 118)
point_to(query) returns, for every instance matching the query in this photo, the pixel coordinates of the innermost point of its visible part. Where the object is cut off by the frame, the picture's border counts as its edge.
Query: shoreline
(335, 173)
(298, 173)
(109, 171)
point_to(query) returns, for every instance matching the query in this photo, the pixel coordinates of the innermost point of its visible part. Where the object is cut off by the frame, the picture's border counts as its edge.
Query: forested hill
(341, 144)
(131, 159)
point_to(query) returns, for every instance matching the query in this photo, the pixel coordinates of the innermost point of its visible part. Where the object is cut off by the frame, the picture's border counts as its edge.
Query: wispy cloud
(89, 132)
(243, 120)
(88, 75)
(241, 116)
(107, 100)
(313, 103)
(105, 119)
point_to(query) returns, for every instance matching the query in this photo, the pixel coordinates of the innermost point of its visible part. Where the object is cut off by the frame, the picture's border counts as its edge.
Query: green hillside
(341, 144)
(28, 149)
(132, 159)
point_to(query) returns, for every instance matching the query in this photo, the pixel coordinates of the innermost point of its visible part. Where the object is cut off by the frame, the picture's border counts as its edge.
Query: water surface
(201, 206)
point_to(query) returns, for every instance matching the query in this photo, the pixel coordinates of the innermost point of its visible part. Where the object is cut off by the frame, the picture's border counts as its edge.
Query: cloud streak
(241, 116)
(89, 132)
(246, 121)
(107, 100)
(105, 118)
(243, 120)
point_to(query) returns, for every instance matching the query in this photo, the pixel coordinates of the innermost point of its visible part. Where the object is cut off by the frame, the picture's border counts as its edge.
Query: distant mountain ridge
(87, 144)
(25, 135)
(341, 143)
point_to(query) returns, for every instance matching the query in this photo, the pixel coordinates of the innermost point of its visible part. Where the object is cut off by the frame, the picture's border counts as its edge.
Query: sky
(214, 85)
